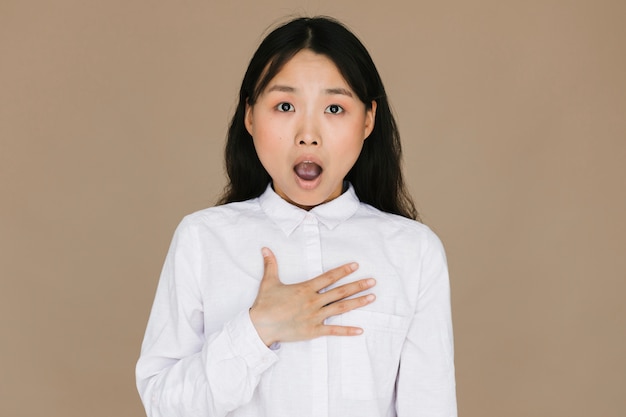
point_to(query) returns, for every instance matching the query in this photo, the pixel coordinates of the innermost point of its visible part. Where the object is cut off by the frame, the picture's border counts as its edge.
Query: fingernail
(371, 282)
(370, 297)
(354, 266)
(265, 252)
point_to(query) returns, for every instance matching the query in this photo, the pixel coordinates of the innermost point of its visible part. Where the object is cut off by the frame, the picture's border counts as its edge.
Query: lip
(308, 158)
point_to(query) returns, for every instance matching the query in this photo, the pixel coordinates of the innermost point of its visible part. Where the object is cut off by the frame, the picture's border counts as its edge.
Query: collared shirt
(202, 356)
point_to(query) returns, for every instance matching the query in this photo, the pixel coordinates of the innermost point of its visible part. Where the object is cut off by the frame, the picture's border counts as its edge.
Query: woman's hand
(289, 313)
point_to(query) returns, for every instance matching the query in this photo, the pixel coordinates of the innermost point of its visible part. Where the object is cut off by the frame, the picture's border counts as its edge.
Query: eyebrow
(281, 88)
(328, 91)
(342, 91)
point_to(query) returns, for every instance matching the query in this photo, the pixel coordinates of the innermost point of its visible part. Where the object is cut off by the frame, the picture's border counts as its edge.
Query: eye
(334, 109)
(285, 107)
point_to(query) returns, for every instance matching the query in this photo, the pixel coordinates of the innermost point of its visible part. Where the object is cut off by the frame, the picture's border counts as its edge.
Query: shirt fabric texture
(201, 355)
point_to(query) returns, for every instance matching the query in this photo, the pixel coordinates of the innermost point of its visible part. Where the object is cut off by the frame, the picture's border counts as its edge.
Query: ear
(370, 117)
(247, 120)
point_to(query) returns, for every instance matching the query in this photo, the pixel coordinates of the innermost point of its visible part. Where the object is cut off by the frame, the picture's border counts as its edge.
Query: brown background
(112, 119)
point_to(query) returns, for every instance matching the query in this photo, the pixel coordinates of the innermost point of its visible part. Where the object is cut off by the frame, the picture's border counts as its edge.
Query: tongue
(308, 171)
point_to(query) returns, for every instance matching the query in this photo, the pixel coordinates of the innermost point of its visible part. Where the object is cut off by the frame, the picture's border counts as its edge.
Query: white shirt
(202, 356)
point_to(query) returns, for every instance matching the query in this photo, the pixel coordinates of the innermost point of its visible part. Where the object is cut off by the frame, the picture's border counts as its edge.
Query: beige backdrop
(112, 122)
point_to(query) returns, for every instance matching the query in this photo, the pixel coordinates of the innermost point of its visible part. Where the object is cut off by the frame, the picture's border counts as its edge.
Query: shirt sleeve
(181, 370)
(426, 380)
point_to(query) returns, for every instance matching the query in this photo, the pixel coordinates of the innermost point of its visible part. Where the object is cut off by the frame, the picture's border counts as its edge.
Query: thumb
(270, 267)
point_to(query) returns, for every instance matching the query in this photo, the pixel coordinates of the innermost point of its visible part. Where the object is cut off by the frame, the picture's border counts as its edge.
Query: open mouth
(307, 170)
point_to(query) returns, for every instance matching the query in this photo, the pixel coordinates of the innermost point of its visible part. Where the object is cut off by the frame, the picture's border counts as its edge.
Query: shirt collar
(288, 217)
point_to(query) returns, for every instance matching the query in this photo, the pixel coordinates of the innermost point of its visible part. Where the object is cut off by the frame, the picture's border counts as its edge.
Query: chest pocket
(369, 362)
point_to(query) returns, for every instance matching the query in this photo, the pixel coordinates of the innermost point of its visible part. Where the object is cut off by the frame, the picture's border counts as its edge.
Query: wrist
(263, 329)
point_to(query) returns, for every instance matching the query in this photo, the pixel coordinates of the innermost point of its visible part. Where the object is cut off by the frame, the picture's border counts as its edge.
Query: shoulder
(404, 239)
(400, 226)
(221, 217)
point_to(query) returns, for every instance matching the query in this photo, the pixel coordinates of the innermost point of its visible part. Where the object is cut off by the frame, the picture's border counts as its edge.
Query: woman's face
(308, 128)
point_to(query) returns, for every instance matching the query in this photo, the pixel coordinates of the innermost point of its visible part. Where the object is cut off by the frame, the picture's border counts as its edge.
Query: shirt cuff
(247, 344)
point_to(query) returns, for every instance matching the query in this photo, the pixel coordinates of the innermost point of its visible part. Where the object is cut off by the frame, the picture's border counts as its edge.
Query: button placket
(319, 346)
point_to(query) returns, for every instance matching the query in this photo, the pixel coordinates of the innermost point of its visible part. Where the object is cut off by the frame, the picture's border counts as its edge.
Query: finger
(332, 330)
(343, 306)
(347, 290)
(330, 277)
(270, 266)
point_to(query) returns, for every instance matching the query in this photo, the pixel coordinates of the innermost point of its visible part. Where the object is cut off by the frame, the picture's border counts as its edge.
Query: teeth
(308, 170)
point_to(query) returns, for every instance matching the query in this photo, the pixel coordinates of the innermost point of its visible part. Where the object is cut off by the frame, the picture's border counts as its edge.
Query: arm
(426, 382)
(182, 371)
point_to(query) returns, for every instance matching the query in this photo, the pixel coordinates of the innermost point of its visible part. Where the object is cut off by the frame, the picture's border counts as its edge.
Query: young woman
(311, 290)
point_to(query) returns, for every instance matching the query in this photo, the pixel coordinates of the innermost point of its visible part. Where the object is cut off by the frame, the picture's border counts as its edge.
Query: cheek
(352, 128)
(352, 142)
(270, 152)
(347, 153)
(264, 149)
(264, 137)
(268, 130)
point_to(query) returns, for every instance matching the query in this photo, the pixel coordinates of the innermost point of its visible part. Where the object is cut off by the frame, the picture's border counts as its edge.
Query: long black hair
(377, 174)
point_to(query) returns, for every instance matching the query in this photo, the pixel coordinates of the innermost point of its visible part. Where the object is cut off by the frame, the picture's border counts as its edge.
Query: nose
(307, 141)
(308, 132)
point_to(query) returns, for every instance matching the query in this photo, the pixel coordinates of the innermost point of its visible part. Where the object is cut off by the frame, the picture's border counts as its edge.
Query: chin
(309, 202)
(305, 199)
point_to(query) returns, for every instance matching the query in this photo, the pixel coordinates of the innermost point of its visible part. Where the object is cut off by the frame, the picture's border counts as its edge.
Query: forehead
(307, 67)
